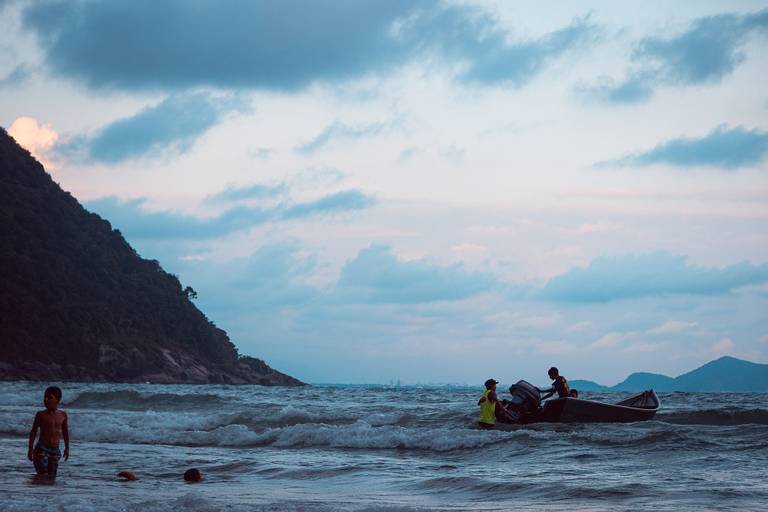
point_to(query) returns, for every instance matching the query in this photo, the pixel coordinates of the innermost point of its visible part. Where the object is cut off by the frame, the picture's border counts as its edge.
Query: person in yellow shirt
(488, 404)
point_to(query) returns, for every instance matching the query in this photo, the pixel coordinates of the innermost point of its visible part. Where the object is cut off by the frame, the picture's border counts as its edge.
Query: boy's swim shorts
(46, 459)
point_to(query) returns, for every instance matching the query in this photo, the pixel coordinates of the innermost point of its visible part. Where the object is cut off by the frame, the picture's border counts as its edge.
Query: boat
(526, 407)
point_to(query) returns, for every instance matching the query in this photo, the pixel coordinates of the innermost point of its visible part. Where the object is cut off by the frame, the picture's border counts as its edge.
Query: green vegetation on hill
(78, 303)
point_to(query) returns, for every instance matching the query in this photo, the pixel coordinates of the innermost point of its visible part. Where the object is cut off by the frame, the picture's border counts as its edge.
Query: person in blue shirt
(559, 385)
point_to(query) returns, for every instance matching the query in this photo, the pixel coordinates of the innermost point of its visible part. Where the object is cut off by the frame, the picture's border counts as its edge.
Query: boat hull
(526, 407)
(573, 410)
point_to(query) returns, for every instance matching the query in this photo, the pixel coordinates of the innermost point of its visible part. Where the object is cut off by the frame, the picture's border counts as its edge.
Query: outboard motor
(525, 398)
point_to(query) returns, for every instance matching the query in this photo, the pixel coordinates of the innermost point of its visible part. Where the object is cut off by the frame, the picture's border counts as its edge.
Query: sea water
(325, 448)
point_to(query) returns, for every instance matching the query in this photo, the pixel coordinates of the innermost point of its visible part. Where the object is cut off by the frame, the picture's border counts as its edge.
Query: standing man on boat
(559, 385)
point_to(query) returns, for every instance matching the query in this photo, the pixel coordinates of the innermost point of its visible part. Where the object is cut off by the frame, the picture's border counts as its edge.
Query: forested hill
(78, 303)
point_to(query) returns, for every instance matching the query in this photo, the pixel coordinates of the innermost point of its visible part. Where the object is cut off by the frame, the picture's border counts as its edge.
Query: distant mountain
(643, 380)
(724, 374)
(721, 375)
(586, 385)
(78, 303)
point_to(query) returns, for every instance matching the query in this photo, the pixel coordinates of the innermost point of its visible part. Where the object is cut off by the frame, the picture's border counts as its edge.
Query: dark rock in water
(78, 303)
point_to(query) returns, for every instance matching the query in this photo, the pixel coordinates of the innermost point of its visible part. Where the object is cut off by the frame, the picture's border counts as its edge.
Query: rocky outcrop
(78, 303)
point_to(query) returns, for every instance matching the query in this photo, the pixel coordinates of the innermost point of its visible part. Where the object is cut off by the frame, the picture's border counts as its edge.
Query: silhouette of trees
(190, 293)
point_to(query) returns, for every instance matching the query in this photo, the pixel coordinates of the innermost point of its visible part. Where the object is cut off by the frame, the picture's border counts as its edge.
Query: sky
(425, 191)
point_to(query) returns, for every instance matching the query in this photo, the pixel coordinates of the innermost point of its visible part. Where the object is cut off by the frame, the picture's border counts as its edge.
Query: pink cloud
(671, 326)
(723, 346)
(598, 227)
(38, 139)
(609, 340)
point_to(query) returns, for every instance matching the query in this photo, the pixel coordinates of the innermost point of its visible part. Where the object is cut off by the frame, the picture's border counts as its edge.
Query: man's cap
(490, 381)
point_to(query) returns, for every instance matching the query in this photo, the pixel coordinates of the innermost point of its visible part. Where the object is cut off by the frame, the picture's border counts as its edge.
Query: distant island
(721, 375)
(77, 303)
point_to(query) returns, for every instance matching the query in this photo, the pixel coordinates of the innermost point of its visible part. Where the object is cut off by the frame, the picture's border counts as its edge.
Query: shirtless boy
(52, 424)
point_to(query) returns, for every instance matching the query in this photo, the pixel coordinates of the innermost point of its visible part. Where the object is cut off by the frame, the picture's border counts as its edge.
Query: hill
(78, 303)
(643, 380)
(586, 385)
(724, 374)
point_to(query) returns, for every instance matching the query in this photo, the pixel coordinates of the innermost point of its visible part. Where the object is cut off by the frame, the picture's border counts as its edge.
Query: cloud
(596, 227)
(554, 347)
(38, 139)
(642, 348)
(671, 327)
(723, 147)
(170, 127)
(579, 326)
(637, 88)
(337, 131)
(138, 223)
(474, 40)
(338, 202)
(608, 341)
(284, 46)
(375, 275)
(722, 346)
(468, 249)
(134, 221)
(710, 50)
(264, 282)
(268, 278)
(631, 276)
(18, 75)
(253, 191)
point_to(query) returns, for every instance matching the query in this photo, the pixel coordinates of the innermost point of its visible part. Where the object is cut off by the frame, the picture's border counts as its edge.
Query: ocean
(372, 448)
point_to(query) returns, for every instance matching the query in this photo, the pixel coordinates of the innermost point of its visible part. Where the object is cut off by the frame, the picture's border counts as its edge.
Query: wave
(190, 429)
(297, 428)
(716, 417)
(130, 400)
(470, 484)
(262, 418)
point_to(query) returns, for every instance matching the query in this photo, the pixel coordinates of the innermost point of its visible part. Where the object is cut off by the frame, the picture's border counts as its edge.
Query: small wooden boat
(641, 407)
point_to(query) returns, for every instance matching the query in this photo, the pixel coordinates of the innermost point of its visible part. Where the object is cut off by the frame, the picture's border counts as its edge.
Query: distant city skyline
(423, 190)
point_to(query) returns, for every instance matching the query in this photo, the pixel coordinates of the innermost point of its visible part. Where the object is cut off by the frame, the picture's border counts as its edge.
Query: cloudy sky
(432, 191)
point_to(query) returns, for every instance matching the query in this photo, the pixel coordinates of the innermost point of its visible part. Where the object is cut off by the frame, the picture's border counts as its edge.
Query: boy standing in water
(52, 424)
